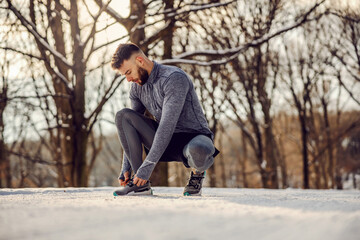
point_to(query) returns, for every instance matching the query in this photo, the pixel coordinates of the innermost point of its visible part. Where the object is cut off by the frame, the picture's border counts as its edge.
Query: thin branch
(345, 17)
(115, 15)
(93, 30)
(170, 13)
(35, 159)
(109, 92)
(40, 96)
(23, 53)
(348, 90)
(108, 43)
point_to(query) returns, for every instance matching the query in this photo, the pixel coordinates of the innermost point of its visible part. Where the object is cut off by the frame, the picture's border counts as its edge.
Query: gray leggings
(135, 130)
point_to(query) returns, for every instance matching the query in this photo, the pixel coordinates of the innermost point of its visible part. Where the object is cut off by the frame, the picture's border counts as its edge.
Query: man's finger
(142, 182)
(135, 180)
(138, 181)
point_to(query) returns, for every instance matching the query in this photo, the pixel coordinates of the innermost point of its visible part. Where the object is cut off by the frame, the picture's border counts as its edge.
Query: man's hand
(127, 178)
(139, 181)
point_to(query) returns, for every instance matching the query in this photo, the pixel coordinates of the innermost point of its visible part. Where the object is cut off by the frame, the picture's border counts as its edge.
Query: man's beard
(143, 75)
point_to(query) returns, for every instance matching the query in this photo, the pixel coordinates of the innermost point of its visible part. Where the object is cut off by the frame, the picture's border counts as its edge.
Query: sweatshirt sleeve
(175, 88)
(126, 167)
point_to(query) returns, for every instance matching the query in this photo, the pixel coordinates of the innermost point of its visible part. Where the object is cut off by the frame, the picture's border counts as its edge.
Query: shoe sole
(194, 194)
(145, 193)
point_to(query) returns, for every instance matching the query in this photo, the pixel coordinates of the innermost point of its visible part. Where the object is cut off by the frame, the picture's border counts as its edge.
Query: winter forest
(279, 82)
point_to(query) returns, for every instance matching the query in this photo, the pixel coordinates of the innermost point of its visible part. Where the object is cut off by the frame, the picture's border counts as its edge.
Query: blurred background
(279, 81)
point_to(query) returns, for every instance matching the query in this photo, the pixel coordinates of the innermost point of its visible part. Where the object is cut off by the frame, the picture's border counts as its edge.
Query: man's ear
(139, 61)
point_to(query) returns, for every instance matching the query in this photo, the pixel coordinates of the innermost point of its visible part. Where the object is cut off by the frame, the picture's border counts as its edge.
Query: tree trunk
(338, 176)
(283, 166)
(329, 144)
(79, 173)
(161, 174)
(270, 148)
(5, 171)
(244, 159)
(270, 144)
(211, 172)
(317, 174)
(159, 177)
(256, 144)
(304, 137)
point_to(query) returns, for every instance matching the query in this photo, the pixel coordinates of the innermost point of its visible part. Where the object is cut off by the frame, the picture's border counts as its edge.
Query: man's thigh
(174, 151)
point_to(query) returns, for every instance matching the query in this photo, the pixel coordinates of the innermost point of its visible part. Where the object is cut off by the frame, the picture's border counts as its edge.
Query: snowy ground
(93, 213)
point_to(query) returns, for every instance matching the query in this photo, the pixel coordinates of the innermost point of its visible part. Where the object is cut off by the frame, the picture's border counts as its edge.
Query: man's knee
(123, 114)
(199, 152)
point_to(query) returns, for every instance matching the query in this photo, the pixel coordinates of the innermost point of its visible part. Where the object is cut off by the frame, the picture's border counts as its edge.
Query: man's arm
(137, 106)
(175, 88)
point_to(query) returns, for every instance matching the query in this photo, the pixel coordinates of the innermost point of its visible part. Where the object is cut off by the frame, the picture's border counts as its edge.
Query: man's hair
(122, 53)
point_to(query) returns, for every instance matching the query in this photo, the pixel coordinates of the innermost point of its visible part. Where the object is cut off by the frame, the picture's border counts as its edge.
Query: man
(179, 132)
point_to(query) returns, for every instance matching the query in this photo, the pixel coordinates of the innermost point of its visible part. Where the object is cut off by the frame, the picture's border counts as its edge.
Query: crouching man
(179, 132)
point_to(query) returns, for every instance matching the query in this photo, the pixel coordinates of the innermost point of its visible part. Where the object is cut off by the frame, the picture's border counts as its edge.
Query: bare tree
(345, 48)
(5, 176)
(300, 68)
(311, 78)
(51, 25)
(254, 76)
(67, 47)
(344, 63)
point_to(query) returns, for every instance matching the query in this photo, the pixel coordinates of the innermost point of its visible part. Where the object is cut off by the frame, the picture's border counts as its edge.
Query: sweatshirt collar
(154, 72)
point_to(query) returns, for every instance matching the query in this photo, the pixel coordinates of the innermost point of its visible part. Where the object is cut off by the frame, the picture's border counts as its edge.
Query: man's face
(133, 71)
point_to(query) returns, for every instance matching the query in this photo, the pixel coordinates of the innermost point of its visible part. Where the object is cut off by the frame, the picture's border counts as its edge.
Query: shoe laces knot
(195, 181)
(130, 183)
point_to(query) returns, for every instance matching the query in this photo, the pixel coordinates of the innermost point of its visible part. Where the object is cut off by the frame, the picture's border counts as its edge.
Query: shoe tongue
(197, 174)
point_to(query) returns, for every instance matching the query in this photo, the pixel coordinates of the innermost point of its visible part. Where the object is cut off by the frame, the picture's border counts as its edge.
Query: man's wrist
(122, 174)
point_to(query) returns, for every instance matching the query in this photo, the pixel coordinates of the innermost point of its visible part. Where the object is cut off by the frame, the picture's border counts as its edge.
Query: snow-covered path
(93, 213)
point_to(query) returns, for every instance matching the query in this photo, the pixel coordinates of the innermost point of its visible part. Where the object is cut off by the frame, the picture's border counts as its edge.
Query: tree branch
(124, 21)
(234, 52)
(25, 54)
(31, 28)
(109, 92)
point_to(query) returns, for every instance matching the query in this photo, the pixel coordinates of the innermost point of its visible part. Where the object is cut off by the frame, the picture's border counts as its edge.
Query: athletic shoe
(193, 188)
(131, 189)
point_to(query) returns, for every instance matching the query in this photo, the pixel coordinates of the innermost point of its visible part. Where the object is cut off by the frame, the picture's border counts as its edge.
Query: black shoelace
(195, 181)
(130, 183)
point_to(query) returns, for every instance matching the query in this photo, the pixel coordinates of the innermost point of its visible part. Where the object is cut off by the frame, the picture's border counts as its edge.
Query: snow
(93, 213)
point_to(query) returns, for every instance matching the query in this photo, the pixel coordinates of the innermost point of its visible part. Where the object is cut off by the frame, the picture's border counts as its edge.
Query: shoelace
(195, 181)
(130, 183)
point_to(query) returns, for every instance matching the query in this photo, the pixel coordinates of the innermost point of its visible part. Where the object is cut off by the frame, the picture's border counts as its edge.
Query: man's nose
(129, 79)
